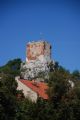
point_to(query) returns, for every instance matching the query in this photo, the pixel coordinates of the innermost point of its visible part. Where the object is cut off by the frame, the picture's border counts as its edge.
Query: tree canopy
(63, 102)
(12, 67)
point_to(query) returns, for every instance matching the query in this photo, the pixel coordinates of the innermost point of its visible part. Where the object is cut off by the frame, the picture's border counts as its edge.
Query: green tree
(12, 67)
(64, 101)
(76, 75)
(7, 98)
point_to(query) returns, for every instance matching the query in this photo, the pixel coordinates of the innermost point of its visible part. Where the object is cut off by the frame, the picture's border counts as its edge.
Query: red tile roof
(39, 87)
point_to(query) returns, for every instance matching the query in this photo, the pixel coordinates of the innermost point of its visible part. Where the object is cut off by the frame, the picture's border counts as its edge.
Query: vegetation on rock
(63, 103)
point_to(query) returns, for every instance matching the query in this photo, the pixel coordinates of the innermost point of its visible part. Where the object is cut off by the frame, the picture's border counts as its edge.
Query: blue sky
(22, 21)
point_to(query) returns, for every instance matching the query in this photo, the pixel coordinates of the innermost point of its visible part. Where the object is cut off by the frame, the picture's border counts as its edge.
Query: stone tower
(38, 58)
(38, 50)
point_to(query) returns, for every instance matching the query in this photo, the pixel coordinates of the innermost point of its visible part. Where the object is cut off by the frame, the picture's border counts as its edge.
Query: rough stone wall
(47, 51)
(36, 49)
(38, 58)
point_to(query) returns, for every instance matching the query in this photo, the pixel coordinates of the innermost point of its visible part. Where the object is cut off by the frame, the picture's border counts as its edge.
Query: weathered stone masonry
(37, 49)
(38, 58)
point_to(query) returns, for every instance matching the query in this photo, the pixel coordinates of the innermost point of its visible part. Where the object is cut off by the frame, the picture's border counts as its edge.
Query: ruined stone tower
(38, 58)
(38, 50)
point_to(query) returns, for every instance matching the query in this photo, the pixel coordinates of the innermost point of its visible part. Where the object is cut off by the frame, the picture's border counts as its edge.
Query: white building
(32, 90)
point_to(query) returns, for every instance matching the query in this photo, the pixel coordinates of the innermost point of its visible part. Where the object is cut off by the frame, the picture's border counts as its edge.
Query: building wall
(26, 90)
(35, 49)
(47, 51)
